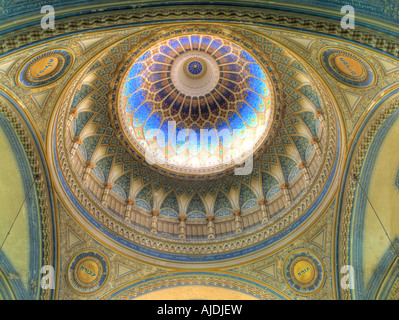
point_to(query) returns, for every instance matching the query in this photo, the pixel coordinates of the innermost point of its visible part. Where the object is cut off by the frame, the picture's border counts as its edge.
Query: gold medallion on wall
(44, 68)
(88, 272)
(347, 67)
(303, 272)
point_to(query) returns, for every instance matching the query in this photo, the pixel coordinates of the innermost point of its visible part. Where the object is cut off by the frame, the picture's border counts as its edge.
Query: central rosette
(195, 104)
(195, 67)
(195, 74)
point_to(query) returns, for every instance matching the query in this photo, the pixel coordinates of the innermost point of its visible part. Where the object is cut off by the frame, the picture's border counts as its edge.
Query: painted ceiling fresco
(115, 162)
(102, 123)
(236, 105)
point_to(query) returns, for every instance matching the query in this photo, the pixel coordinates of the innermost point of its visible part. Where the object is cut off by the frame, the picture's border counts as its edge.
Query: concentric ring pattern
(45, 68)
(347, 68)
(212, 126)
(175, 214)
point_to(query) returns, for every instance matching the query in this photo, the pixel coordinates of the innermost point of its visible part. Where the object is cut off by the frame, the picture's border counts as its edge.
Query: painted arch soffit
(362, 162)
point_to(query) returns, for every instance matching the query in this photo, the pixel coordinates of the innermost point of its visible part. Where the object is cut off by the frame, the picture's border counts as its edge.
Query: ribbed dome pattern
(237, 107)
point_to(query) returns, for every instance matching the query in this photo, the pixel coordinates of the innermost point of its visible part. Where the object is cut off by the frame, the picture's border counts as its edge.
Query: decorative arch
(196, 204)
(162, 287)
(38, 211)
(222, 201)
(247, 197)
(355, 209)
(269, 183)
(170, 202)
(145, 194)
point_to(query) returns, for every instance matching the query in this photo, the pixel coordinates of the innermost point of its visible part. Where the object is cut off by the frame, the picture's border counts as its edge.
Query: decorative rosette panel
(45, 68)
(347, 68)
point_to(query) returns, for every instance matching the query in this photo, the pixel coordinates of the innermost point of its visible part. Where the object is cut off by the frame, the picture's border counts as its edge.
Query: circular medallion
(194, 74)
(88, 272)
(303, 272)
(45, 68)
(195, 68)
(347, 67)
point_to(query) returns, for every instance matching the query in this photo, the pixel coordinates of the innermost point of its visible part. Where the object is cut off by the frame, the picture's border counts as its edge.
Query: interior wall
(376, 213)
(20, 255)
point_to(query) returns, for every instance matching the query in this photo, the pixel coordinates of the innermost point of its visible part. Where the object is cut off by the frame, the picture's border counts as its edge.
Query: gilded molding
(41, 186)
(351, 185)
(186, 280)
(373, 38)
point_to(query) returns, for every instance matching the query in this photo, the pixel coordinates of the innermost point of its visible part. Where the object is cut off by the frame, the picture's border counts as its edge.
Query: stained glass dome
(196, 103)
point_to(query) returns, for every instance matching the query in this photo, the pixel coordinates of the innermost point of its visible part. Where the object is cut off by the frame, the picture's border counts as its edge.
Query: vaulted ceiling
(77, 104)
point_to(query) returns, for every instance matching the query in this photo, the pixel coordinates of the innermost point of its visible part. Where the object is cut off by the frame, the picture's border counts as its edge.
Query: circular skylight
(195, 104)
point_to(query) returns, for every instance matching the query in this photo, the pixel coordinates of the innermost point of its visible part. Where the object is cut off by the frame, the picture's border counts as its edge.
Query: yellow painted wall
(12, 196)
(196, 293)
(385, 199)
